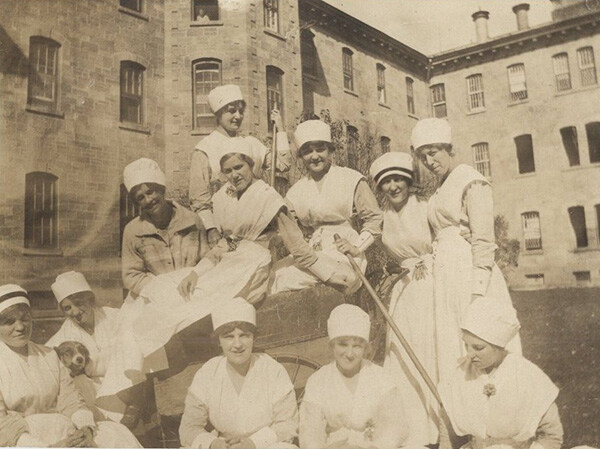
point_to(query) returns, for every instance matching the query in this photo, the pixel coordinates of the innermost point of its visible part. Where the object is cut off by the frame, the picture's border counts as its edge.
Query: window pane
(271, 8)
(531, 230)
(587, 66)
(570, 144)
(577, 217)
(381, 83)
(475, 92)
(206, 76)
(410, 96)
(481, 158)
(40, 210)
(206, 10)
(43, 72)
(438, 100)
(593, 136)
(132, 83)
(347, 69)
(561, 71)
(525, 158)
(517, 83)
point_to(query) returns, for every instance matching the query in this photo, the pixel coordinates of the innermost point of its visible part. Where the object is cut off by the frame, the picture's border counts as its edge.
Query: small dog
(74, 355)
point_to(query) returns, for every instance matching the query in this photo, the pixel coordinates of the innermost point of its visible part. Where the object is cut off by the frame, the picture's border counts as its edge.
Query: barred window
(206, 75)
(132, 92)
(348, 69)
(531, 230)
(135, 5)
(271, 8)
(274, 93)
(481, 158)
(562, 74)
(592, 130)
(516, 82)
(587, 66)
(352, 146)
(525, 156)
(41, 211)
(381, 84)
(42, 86)
(205, 10)
(385, 144)
(577, 218)
(570, 144)
(438, 100)
(410, 95)
(475, 92)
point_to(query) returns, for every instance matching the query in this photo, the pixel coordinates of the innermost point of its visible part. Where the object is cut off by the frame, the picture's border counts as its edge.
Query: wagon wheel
(299, 369)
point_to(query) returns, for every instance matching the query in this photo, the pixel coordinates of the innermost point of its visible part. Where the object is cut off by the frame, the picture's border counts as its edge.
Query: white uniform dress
(461, 216)
(264, 410)
(407, 238)
(331, 415)
(511, 408)
(39, 404)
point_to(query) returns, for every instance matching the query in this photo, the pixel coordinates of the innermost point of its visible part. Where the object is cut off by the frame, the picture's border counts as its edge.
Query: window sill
(200, 132)
(383, 105)
(585, 250)
(477, 111)
(275, 34)
(574, 91)
(212, 23)
(42, 252)
(135, 128)
(133, 13)
(42, 111)
(581, 167)
(532, 252)
(525, 175)
(351, 92)
(413, 116)
(517, 103)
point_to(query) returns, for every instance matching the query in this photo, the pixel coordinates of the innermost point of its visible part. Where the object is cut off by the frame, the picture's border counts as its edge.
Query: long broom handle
(273, 155)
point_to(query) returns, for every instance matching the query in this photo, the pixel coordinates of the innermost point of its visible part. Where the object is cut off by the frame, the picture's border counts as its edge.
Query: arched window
(352, 146)
(481, 158)
(41, 210)
(42, 86)
(381, 96)
(132, 92)
(532, 233)
(562, 73)
(587, 66)
(525, 159)
(348, 69)
(206, 75)
(274, 92)
(592, 130)
(475, 92)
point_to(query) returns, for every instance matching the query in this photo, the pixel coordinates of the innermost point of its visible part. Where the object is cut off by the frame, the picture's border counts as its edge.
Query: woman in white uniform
(39, 405)
(461, 215)
(497, 397)
(407, 239)
(351, 402)
(248, 398)
(228, 105)
(324, 202)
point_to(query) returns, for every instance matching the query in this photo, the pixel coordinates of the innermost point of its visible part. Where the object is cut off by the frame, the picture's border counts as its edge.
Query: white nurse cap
(392, 163)
(242, 145)
(234, 309)
(491, 320)
(12, 294)
(142, 171)
(429, 131)
(223, 95)
(69, 283)
(347, 320)
(312, 131)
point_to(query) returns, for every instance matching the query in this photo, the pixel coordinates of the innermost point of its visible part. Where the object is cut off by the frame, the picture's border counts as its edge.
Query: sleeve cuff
(203, 440)
(28, 440)
(264, 437)
(480, 281)
(207, 219)
(83, 418)
(283, 145)
(365, 239)
(321, 269)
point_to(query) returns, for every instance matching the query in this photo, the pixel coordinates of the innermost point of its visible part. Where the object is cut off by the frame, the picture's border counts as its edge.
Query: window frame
(581, 238)
(381, 91)
(348, 69)
(562, 79)
(481, 158)
(271, 15)
(46, 104)
(475, 92)
(587, 69)
(140, 98)
(208, 116)
(515, 71)
(437, 101)
(535, 243)
(271, 71)
(33, 213)
(410, 95)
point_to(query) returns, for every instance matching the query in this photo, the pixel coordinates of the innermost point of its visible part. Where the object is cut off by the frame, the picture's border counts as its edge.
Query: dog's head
(74, 355)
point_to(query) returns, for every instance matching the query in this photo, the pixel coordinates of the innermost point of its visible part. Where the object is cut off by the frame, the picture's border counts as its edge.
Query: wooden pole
(273, 154)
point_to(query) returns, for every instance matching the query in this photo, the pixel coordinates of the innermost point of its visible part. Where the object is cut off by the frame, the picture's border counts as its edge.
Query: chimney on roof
(520, 11)
(481, 25)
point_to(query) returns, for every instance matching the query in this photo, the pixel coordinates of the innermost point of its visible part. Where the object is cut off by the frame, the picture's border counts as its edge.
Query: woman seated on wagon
(39, 405)
(351, 402)
(248, 398)
(497, 397)
(324, 201)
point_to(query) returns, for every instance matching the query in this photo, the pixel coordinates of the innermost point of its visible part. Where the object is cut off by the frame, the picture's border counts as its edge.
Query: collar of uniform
(181, 219)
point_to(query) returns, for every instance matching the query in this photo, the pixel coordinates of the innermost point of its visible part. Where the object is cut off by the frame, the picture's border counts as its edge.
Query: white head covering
(11, 294)
(312, 131)
(221, 96)
(429, 131)
(347, 320)
(234, 309)
(243, 146)
(491, 320)
(69, 283)
(142, 171)
(392, 163)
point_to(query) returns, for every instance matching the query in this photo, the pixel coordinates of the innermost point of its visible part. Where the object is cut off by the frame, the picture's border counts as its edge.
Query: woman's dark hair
(243, 157)
(236, 103)
(151, 185)
(244, 326)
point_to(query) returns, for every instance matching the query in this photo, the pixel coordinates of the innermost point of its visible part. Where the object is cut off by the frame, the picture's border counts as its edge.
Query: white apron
(406, 236)
(453, 267)
(326, 207)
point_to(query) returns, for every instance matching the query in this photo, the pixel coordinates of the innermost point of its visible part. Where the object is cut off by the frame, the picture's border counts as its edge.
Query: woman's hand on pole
(187, 286)
(276, 117)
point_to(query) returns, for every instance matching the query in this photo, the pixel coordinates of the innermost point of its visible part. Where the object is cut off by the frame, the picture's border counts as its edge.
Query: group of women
(453, 306)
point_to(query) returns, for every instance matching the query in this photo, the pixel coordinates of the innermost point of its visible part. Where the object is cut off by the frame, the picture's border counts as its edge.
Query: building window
(438, 100)
(271, 8)
(582, 277)
(41, 211)
(128, 210)
(525, 158)
(475, 92)
(577, 217)
(592, 130)
(206, 75)
(308, 52)
(132, 92)
(570, 144)
(204, 11)
(385, 144)
(42, 88)
(516, 82)
(274, 93)
(587, 66)
(352, 146)
(562, 74)
(535, 279)
(348, 69)
(381, 84)
(135, 5)
(410, 95)
(481, 158)
(531, 230)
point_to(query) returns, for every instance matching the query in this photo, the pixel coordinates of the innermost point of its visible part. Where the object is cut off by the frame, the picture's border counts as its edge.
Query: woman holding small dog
(39, 405)
(249, 397)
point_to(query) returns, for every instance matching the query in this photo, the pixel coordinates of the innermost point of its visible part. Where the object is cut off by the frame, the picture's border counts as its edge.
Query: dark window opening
(205, 10)
(593, 136)
(571, 145)
(135, 5)
(577, 217)
(525, 157)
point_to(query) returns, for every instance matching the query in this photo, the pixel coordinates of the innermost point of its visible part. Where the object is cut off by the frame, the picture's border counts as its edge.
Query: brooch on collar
(489, 390)
(230, 191)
